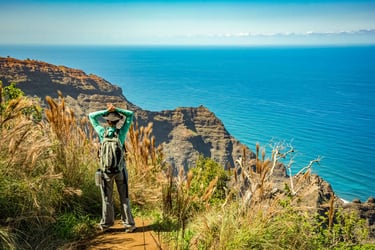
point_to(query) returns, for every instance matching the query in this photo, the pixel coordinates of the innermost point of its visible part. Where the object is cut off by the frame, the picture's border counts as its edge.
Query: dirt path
(115, 238)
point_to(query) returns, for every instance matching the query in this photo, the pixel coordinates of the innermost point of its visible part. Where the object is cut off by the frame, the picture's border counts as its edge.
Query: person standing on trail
(115, 128)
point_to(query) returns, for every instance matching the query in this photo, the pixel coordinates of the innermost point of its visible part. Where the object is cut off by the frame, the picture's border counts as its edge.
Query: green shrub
(71, 226)
(205, 171)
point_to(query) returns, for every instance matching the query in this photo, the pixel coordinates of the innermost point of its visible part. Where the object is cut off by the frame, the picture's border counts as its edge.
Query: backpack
(111, 153)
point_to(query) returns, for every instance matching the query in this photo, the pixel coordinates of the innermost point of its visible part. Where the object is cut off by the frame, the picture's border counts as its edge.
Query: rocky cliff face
(84, 93)
(184, 132)
(187, 132)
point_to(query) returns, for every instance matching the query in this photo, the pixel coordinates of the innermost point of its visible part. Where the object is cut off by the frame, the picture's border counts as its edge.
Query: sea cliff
(184, 132)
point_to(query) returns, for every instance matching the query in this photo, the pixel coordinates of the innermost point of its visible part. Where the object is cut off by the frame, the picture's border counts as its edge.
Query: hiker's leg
(107, 201)
(122, 187)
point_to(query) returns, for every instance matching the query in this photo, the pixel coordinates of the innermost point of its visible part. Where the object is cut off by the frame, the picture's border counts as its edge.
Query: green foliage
(11, 92)
(165, 223)
(204, 184)
(186, 195)
(71, 226)
(347, 230)
(6, 240)
(205, 171)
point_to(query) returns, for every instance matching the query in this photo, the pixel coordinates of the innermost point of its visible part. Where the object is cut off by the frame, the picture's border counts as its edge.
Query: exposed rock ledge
(184, 132)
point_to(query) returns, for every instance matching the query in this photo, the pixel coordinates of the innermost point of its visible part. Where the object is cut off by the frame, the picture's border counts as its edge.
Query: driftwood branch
(253, 179)
(278, 154)
(317, 160)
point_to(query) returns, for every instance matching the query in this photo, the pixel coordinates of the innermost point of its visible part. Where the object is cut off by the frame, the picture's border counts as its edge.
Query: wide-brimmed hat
(113, 117)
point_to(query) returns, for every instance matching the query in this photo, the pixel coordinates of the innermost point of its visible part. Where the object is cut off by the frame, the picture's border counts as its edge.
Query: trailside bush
(75, 226)
(206, 171)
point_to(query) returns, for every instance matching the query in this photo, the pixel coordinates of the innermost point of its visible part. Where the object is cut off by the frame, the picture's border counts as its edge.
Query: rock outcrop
(184, 132)
(84, 93)
(366, 210)
(188, 132)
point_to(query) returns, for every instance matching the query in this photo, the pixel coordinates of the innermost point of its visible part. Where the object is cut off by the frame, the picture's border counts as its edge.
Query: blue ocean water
(321, 100)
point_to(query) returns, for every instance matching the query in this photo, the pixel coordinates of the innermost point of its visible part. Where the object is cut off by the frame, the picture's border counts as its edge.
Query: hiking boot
(130, 228)
(102, 228)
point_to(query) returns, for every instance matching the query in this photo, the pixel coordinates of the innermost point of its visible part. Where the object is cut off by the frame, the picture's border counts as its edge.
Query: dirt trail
(115, 238)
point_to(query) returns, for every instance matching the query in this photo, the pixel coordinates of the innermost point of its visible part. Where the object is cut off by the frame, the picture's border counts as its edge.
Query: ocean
(320, 100)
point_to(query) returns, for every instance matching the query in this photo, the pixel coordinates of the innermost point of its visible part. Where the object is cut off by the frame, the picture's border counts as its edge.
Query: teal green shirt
(101, 130)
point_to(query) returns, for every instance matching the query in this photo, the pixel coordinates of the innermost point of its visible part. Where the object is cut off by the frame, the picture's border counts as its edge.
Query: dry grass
(74, 144)
(45, 167)
(186, 195)
(26, 172)
(145, 165)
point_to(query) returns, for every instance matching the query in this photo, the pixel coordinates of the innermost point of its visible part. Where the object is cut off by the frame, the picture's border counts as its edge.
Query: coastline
(149, 77)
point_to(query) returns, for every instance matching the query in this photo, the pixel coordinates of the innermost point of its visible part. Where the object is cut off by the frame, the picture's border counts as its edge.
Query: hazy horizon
(241, 23)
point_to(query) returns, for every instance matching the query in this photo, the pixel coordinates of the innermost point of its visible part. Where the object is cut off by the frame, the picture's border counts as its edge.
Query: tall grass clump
(145, 164)
(27, 177)
(257, 214)
(45, 171)
(186, 195)
(75, 148)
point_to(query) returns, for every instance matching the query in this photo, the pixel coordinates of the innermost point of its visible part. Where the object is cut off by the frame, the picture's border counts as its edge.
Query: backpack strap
(116, 133)
(105, 132)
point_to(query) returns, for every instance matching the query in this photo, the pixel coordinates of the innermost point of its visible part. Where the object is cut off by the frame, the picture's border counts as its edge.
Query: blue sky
(116, 22)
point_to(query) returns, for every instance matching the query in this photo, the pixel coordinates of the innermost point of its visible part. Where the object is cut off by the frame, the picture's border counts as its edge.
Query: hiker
(115, 128)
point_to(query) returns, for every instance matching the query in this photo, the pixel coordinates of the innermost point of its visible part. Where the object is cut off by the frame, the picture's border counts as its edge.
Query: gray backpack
(111, 154)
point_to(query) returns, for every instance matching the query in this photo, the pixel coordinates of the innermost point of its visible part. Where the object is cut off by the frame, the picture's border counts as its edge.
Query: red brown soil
(116, 238)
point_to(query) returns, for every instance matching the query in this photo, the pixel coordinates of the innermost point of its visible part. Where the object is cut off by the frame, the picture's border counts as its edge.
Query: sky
(194, 22)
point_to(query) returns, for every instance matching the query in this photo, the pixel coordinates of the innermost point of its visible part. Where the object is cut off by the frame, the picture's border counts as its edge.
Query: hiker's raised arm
(125, 112)
(127, 123)
(93, 117)
(111, 107)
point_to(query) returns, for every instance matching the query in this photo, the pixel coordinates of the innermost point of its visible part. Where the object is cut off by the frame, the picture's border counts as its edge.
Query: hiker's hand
(110, 107)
